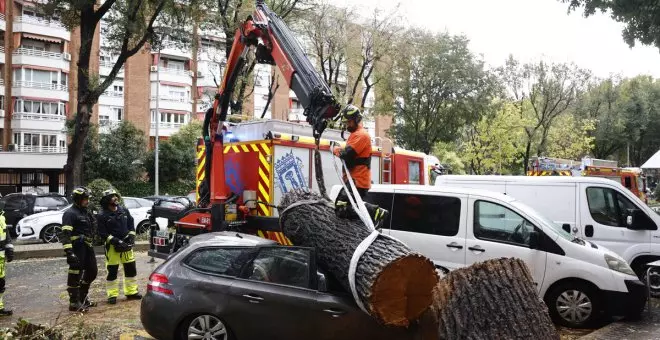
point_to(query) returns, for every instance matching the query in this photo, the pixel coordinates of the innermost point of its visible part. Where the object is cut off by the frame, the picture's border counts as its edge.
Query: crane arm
(275, 44)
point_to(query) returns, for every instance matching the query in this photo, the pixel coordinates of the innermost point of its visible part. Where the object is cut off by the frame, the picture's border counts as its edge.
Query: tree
(541, 91)
(177, 155)
(493, 144)
(449, 158)
(437, 88)
(640, 101)
(571, 137)
(130, 26)
(639, 16)
(120, 152)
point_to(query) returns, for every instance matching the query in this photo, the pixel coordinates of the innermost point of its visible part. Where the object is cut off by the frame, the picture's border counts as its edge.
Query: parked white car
(46, 226)
(457, 227)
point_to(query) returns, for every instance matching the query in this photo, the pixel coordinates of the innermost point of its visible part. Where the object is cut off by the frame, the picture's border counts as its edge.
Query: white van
(596, 209)
(457, 227)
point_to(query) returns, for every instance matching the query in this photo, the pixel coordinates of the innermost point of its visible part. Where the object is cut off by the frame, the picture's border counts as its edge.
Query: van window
(497, 223)
(435, 215)
(383, 200)
(608, 207)
(628, 182)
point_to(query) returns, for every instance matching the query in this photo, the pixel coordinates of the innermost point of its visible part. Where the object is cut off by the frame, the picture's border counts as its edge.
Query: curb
(23, 254)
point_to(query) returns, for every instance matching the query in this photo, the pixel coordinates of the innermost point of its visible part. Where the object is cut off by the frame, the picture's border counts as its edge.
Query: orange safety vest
(360, 141)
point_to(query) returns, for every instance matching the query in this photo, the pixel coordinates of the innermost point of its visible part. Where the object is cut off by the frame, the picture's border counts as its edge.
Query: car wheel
(574, 304)
(49, 234)
(206, 326)
(653, 280)
(143, 227)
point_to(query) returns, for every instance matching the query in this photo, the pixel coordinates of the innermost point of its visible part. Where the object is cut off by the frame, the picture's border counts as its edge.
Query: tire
(654, 285)
(49, 234)
(204, 323)
(142, 227)
(574, 304)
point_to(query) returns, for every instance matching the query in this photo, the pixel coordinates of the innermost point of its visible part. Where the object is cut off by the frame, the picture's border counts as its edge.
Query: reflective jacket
(357, 155)
(5, 238)
(77, 225)
(117, 224)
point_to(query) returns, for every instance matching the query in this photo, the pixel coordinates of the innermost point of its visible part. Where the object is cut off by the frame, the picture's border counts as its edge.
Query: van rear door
(432, 224)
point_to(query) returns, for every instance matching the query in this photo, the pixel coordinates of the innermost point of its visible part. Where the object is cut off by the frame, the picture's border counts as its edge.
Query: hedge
(144, 189)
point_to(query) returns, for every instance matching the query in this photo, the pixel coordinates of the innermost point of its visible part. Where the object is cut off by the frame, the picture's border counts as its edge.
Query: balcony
(172, 103)
(2, 50)
(37, 158)
(296, 115)
(40, 90)
(172, 49)
(28, 56)
(112, 98)
(171, 75)
(3, 22)
(34, 25)
(106, 66)
(165, 129)
(37, 121)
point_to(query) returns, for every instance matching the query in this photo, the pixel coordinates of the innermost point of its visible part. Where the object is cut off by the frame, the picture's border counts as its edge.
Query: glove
(9, 252)
(71, 258)
(130, 239)
(121, 246)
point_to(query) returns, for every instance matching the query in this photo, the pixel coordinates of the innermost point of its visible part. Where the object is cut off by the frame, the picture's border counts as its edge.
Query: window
(130, 203)
(413, 172)
(17, 138)
(608, 207)
(50, 202)
(497, 223)
(31, 139)
(282, 265)
(118, 89)
(219, 261)
(435, 215)
(144, 203)
(383, 200)
(14, 202)
(117, 113)
(29, 106)
(49, 140)
(628, 182)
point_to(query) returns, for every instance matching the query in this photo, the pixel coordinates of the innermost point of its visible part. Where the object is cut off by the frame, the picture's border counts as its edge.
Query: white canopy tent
(652, 163)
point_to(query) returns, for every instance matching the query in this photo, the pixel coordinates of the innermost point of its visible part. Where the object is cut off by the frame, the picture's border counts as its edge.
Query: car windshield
(65, 207)
(546, 221)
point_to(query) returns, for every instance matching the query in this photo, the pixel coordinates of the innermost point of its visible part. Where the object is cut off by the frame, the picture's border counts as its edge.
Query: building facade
(159, 91)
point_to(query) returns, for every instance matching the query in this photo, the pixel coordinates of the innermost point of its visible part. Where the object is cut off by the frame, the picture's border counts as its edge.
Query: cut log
(495, 299)
(394, 283)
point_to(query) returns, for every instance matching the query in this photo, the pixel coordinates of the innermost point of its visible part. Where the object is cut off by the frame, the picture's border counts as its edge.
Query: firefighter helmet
(107, 196)
(80, 193)
(351, 112)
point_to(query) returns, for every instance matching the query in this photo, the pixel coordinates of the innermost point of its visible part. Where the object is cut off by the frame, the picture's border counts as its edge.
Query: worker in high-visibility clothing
(357, 156)
(117, 228)
(5, 257)
(77, 239)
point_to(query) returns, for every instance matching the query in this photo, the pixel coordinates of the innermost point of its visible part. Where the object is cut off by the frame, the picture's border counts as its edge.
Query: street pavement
(36, 291)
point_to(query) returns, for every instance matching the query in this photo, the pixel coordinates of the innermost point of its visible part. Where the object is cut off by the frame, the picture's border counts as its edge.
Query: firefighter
(117, 228)
(5, 257)
(77, 239)
(357, 156)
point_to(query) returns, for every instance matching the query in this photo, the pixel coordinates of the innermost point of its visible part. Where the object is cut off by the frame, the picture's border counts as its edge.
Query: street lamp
(157, 121)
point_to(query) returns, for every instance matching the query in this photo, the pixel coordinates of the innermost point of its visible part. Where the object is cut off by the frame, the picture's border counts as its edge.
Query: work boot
(74, 302)
(112, 300)
(84, 297)
(6, 312)
(136, 296)
(89, 303)
(381, 217)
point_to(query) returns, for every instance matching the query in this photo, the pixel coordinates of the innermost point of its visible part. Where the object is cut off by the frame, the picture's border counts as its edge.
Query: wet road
(36, 291)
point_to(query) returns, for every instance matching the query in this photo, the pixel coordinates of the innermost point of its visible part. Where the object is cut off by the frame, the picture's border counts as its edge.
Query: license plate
(162, 233)
(160, 241)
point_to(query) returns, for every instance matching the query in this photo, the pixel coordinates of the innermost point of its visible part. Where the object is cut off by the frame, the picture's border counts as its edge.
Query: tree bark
(394, 283)
(74, 168)
(495, 299)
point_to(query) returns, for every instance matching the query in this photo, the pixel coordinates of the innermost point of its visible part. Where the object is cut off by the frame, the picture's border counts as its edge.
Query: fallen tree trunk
(495, 299)
(394, 284)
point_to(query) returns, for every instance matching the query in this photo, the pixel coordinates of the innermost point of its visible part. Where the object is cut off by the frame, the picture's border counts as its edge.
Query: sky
(530, 30)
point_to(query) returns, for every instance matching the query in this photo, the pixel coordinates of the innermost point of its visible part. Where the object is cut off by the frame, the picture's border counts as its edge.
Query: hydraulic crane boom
(276, 45)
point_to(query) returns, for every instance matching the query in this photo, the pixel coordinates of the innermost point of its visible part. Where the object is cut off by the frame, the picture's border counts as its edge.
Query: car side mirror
(322, 283)
(534, 238)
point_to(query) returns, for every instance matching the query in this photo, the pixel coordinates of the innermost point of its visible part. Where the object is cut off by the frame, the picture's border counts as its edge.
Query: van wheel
(574, 304)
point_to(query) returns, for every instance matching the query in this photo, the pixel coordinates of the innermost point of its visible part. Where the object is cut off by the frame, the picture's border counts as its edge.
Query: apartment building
(155, 90)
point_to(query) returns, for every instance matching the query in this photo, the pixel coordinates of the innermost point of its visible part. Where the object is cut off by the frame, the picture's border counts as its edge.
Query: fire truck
(244, 169)
(631, 178)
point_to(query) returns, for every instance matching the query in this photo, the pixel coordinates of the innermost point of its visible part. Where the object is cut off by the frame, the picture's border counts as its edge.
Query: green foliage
(120, 153)
(440, 86)
(449, 158)
(177, 155)
(144, 189)
(639, 16)
(571, 137)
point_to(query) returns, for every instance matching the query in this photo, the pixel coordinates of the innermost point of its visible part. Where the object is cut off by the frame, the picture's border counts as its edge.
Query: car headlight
(619, 265)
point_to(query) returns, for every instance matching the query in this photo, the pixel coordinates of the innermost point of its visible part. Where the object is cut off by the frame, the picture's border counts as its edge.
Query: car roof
(527, 179)
(428, 189)
(228, 238)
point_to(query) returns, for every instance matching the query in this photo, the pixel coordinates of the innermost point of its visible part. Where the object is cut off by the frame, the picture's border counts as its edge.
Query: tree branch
(99, 13)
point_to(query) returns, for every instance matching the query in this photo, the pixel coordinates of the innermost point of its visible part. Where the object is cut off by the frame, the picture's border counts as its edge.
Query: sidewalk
(645, 329)
(34, 251)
